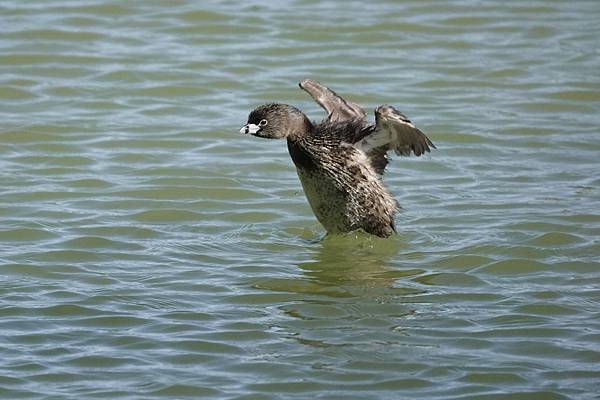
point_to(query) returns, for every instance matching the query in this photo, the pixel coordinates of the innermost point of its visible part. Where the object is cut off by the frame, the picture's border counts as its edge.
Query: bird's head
(276, 121)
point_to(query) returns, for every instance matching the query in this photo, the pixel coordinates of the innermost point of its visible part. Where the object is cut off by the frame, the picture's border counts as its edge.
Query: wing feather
(394, 131)
(337, 108)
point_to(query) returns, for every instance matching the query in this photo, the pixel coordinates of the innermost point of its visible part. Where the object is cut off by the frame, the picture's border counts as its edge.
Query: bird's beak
(250, 128)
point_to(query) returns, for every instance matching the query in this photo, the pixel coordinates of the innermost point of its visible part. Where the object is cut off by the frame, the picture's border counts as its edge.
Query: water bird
(341, 160)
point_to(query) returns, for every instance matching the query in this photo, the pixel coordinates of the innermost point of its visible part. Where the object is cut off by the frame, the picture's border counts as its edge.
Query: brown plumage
(341, 159)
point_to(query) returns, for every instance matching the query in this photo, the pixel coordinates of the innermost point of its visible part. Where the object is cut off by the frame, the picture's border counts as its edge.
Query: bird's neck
(300, 128)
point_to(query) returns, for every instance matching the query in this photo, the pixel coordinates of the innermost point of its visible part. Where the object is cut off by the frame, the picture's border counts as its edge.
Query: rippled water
(148, 250)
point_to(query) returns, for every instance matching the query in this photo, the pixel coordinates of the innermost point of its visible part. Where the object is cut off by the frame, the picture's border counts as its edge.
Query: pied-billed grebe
(341, 159)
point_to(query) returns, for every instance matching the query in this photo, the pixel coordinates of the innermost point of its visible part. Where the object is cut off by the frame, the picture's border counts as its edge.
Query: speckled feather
(342, 187)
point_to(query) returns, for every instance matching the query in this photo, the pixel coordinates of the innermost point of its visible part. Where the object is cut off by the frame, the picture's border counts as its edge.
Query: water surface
(148, 250)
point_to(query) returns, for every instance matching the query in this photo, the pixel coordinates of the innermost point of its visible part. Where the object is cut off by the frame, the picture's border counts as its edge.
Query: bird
(340, 161)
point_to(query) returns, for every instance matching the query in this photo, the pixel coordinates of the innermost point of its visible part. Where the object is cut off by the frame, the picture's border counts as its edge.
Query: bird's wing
(337, 108)
(393, 131)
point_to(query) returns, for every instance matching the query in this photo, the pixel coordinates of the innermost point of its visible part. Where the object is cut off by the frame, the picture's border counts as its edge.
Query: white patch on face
(250, 128)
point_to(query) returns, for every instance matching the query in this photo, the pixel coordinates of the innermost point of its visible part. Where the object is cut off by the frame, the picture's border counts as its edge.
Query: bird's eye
(262, 122)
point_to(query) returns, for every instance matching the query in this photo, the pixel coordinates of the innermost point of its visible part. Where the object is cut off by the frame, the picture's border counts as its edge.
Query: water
(148, 250)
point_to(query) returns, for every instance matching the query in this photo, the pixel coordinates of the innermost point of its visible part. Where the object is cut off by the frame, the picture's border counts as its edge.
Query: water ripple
(145, 243)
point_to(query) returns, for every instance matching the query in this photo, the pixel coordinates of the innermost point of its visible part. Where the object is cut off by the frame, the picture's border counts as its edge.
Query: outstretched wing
(337, 108)
(393, 131)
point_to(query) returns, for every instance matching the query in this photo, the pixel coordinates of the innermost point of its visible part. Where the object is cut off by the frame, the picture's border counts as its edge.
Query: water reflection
(356, 259)
(348, 266)
(349, 294)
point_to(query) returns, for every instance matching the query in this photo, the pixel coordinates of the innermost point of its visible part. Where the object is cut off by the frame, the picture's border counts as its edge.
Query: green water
(148, 250)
